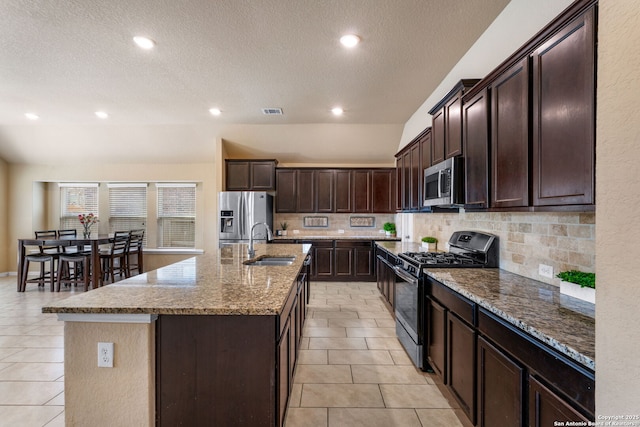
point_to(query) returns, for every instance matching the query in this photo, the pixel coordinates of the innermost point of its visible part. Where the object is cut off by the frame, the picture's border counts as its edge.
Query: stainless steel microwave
(444, 183)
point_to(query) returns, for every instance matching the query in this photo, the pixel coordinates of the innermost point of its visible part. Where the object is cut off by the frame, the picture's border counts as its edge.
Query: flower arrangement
(87, 221)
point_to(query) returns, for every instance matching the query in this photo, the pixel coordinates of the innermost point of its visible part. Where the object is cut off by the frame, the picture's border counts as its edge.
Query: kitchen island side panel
(215, 369)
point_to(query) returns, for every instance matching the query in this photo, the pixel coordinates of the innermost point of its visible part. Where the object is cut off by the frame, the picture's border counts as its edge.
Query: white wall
(517, 23)
(617, 229)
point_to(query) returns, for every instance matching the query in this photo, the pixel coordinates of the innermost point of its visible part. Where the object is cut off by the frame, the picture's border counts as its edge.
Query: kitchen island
(205, 341)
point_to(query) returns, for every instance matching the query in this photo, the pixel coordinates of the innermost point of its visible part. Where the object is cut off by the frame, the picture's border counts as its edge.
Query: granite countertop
(562, 322)
(214, 283)
(379, 237)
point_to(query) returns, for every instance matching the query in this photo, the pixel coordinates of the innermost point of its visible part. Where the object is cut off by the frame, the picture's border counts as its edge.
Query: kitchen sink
(271, 260)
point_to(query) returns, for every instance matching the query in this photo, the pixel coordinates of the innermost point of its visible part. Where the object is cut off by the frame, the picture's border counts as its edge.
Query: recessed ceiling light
(144, 42)
(337, 111)
(349, 40)
(32, 116)
(215, 111)
(102, 115)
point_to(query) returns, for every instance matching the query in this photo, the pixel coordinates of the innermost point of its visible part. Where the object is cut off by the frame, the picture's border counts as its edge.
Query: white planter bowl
(576, 291)
(429, 247)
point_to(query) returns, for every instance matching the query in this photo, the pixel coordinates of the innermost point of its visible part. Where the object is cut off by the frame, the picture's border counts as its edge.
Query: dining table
(93, 241)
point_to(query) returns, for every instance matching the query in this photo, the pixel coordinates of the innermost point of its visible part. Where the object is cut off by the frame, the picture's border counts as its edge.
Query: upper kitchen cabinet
(510, 137)
(447, 123)
(319, 190)
(475, 135)
(541, 121)
(250, 175)
(563, 74)
(410, 164)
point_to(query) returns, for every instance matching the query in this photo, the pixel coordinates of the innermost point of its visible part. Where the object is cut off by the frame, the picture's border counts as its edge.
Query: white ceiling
(64, 60)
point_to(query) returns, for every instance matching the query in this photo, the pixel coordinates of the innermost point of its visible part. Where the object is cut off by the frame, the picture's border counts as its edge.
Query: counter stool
(134, 257)
(81, 267)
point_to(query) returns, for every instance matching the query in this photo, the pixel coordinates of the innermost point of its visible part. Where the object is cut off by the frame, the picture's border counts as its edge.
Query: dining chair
(134, 252)
(80, 274)
(47, 253)
(117, 251)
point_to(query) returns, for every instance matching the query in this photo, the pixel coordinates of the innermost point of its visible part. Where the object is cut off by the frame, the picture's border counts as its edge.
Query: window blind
(76, 199)
(127, 207)
(176, 215)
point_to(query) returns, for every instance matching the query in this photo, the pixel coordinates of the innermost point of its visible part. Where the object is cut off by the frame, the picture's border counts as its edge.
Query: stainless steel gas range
(467, 249)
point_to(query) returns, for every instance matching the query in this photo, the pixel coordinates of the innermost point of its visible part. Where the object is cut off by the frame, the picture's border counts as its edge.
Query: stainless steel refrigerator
(239, 211)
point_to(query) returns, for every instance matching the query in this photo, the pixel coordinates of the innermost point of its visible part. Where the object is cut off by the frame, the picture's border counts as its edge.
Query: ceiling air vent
(272, 111)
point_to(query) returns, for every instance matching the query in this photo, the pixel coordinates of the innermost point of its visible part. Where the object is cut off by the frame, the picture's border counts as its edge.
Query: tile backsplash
(335, 223)
(565, 241)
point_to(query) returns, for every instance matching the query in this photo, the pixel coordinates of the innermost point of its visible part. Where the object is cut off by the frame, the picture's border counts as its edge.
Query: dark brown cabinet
(499, 374)
(305, 191)
(362, 191)
(563, 80)
(500, 388)
(386, 277)
(250, 175)
(322, 263)
(546, 407)
(342, 260)
(335, 190)
(476, 147)
(286, 200)
(199, 356)
(542, 121)
(510, 137)
(344, 185)
(324, 183)
(411, 172)
(461, 366)
(436, 338)
(446, 124)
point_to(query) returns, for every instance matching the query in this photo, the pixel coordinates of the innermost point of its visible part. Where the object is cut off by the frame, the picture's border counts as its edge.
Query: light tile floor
(352, 370)
(31, 357)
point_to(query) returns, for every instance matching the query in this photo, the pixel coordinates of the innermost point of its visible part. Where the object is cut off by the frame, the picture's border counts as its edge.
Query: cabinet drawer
(572, 381)
(455, 302)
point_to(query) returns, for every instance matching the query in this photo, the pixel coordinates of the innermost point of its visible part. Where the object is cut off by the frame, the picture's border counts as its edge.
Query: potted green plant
(390, 229)
(284, 226)
(430, 243)
(578, 284)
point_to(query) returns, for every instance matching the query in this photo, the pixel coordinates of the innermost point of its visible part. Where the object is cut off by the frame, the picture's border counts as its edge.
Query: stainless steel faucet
(251, 251)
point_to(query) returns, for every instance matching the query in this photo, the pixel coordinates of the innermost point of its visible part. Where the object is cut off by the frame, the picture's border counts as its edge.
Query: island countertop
(215, 283)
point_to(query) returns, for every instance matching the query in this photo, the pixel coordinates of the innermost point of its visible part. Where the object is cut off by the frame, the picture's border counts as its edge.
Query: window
(127, 207)
(76, 199)
(176, 215)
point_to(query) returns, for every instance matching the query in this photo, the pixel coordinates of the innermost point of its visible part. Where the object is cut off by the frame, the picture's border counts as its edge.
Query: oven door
(409, 308)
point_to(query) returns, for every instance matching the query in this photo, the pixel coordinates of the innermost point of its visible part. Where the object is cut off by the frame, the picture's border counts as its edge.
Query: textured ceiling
(66, 59)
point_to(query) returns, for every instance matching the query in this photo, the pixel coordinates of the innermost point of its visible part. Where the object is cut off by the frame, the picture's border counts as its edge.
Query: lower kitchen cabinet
(461, 366)
(338, 260)
(436, 338)
(546, 407)
(490, 366)
(500, 388)
(386, 277)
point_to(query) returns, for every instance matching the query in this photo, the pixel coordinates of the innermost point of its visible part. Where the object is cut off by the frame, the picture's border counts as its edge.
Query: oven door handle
(405, 276)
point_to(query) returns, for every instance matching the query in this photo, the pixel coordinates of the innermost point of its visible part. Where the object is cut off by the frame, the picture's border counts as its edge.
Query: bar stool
(81, 267)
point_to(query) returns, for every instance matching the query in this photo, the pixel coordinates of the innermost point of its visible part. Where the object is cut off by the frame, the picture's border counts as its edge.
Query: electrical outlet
(105, 355)
(545, 270)
(340, 231)
(296, 231)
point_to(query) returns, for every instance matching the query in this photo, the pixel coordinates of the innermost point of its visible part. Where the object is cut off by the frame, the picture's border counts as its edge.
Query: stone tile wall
(336, 222)
(564, 241)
